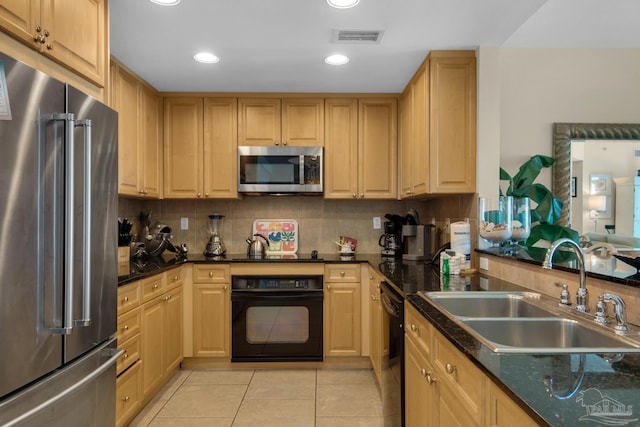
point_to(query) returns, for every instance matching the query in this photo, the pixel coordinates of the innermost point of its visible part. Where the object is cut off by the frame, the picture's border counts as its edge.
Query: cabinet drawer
(418, 328)
(131, 348)
(206, 273)
(128, 325)
(153, 286)
(174, 277)
(342, 273)
(128, 297)
(466, 380)
(128, 394)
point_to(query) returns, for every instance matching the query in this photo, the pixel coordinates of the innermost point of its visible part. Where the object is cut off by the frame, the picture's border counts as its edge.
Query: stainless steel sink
(489, 304)
(521, 322)
(547, 335)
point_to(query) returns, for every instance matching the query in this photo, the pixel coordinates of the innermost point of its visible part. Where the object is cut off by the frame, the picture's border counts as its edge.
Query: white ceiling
(280, 45)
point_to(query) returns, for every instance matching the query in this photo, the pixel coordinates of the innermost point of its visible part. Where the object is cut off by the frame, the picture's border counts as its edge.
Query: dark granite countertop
(521, 376)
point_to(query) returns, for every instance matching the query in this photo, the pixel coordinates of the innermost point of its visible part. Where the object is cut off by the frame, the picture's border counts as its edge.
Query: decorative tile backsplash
(320, 221)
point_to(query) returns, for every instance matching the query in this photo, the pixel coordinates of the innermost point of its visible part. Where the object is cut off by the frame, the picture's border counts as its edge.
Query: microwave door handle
(301, 170)
(86, 225)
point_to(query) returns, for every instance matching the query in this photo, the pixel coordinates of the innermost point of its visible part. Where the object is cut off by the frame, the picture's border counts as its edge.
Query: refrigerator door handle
(86, 264)
(115, 354)
(67, 321)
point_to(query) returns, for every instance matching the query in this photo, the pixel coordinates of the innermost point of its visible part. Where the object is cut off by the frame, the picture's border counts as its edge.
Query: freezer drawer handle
(86, 380)
(86, 225)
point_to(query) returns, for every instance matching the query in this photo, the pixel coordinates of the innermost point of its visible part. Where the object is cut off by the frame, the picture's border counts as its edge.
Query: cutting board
(281, 233)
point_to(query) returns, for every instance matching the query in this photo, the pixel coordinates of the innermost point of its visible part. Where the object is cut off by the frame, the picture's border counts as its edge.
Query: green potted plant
(547, 206)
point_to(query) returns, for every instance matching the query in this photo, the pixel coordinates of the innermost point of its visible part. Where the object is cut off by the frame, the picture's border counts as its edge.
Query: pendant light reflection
(206, 58)
(343, 4)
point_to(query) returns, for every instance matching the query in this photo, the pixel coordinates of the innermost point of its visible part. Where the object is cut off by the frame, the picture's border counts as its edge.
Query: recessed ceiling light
(206, 57)
(336, 59)
(166, 2)
(343, 4)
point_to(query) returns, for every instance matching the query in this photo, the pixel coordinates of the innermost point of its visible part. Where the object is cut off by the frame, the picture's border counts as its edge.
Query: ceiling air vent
(357, 36)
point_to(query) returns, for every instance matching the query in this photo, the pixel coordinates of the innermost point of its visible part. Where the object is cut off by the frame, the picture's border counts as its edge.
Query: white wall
(541, 86)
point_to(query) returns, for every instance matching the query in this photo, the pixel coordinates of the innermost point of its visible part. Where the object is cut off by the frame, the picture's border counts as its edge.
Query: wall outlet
(184, 223)
(484, 263)
(376, 223)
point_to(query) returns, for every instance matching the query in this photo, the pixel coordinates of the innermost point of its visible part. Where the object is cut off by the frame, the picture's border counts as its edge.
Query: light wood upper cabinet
(452, 163)
(341, 148)
(183, 147)
(438, 126)
(220, 147)
(377, 148)
(74, 33)
(274, 121)
(200, 148)
(361, 149)
(139, 135)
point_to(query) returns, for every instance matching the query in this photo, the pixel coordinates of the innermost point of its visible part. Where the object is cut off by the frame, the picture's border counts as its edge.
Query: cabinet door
(342, 319)
(375, 327)
(406, 143)
(78, 35)
(419, 394)
(173, 320)
(377, 148)
(341, 149)
(452, 164)
(183, 139)
(128, 395)
(151, 142)
(420, 133)
(259, 121)
(211, 320)
(125, 102)
(503, 412)
(220, 147)
(153, 345)
(448, 410)
(20, 17)
(303, 122)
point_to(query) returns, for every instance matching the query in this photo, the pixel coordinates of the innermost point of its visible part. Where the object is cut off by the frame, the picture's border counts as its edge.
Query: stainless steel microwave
(280, 170)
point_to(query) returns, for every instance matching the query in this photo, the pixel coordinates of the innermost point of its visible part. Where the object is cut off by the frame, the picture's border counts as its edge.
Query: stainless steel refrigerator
(58, 246)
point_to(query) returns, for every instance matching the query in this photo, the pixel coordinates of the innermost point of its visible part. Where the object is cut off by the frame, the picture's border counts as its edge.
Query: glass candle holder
(495, 219)
(521, 226)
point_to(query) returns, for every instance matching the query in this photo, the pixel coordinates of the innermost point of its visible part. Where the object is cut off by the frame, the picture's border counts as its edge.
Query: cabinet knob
(125, 328)
(125, 299)
(375, 298)
(450, 368)
(328, 286)
(430, 379)
(175, 278)
(423, 372)
(211, 274)
(277, 143)
(414, 328)
(284, 142)
(125, 355)
(225, 287)
(354, 195)
(155, 286)
(362, 195)
(125, 399)
(342, 274)
(199, 194)
(206, 194)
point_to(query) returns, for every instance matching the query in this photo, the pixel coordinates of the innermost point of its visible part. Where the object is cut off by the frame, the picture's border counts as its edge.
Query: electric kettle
(257, 248)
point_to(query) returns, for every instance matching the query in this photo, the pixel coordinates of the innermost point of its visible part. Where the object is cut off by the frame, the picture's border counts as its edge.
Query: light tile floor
(235, 398)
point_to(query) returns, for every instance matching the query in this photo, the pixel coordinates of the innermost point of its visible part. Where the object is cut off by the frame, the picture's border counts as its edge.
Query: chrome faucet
(618, 310)
(582, 294)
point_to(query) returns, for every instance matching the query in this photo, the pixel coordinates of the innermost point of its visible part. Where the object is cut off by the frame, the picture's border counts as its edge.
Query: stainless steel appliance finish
(276, 318)
(293, 170)
(58, 202)
(393, 362)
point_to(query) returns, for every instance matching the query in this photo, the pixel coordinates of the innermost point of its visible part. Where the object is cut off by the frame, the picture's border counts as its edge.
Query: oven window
(277, 325)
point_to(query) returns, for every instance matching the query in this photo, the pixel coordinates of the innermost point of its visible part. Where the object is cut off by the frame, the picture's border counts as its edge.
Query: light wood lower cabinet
(128, 395)
(211, 311)
(444, 388)
(342, 310)
(376, 325)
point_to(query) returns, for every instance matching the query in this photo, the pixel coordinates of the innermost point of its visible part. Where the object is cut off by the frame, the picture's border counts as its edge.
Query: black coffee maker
(391, 240)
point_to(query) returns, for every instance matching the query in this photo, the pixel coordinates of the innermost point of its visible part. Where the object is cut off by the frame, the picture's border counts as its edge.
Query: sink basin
(489, 304)
(546, 335)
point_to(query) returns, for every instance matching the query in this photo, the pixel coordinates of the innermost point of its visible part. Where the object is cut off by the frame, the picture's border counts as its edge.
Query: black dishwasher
(393, 360)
